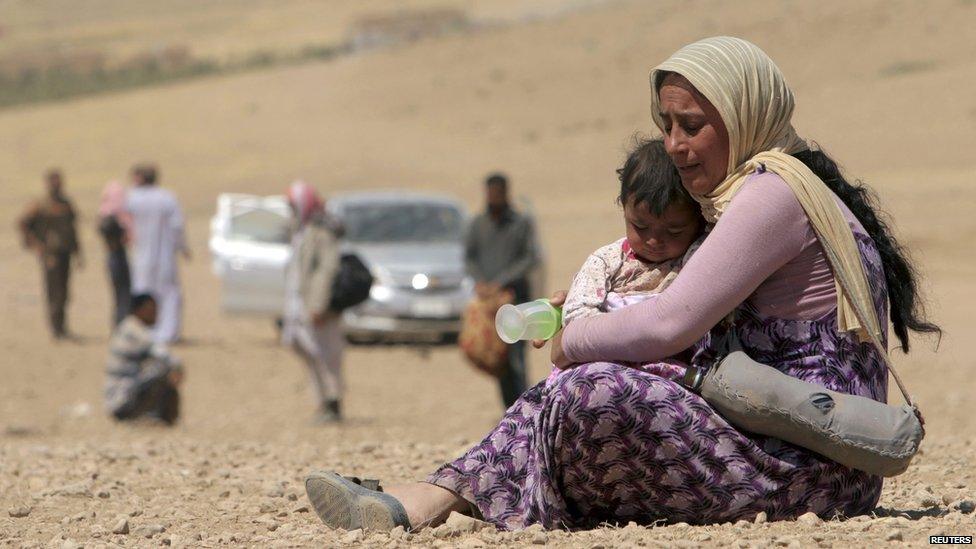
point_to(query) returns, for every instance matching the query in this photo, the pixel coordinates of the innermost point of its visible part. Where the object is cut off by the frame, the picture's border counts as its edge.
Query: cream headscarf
(755, 103)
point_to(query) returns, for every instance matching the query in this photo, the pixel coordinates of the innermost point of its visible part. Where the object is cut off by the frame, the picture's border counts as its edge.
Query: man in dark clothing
(48, 228)
(500, 251)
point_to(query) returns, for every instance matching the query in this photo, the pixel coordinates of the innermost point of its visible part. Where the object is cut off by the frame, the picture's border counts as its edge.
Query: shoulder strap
(862, 315)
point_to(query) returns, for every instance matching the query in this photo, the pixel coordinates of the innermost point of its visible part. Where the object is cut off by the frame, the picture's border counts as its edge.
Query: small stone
(266, 508)
(535, 528)
(225, 494)
(540, 538)
(149, 530)
(965, 506)
(367, 448)
(809, 519)
(353, 536)
(292, 497)
(103, 494)
(77, 490)
(462, 524)
(396, 533)
(894, 535)
(300, 509)
(743, 523)
(441, 532)
(761, 517)
(928, 500)
(20, 511)
(121, 527)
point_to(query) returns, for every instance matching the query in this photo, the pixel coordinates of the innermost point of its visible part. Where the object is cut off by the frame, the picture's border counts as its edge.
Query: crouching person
(143, 378)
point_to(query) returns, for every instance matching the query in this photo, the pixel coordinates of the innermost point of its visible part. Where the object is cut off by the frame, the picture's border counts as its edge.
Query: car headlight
(379, 292)
(420, 281)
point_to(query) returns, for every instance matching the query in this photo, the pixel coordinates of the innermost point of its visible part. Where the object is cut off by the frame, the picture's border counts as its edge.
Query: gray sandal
(350, 503)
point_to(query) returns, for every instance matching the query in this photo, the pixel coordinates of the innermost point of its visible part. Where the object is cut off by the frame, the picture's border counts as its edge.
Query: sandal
(351, 503)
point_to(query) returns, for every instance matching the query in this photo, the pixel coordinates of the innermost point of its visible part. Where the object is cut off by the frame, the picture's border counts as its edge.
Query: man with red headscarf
(310, 327)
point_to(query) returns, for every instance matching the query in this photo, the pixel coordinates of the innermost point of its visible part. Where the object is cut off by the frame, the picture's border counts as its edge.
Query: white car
(250, 247)
(412, 243)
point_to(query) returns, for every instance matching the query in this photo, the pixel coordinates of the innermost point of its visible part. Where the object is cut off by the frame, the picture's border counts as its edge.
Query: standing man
(158, 236)
(48, 228)
(499, 252)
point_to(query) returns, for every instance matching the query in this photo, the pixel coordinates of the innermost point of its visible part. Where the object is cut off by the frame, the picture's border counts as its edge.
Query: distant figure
(143, 378)
(114, 224)
(310, 327)
(158, 236)
(499, 252)
(48, 228)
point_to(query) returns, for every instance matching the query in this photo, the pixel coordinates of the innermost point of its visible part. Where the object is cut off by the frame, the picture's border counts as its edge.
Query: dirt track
(883, 86)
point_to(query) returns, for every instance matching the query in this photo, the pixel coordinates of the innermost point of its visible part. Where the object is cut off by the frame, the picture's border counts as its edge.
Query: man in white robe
(158, 236)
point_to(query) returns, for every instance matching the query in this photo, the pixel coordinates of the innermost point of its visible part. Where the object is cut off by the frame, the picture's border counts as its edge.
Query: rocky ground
(155, 489)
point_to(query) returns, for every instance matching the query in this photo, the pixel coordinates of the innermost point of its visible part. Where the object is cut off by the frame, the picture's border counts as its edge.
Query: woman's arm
(763, 228)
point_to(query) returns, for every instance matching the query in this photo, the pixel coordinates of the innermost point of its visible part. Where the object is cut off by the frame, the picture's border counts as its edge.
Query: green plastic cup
(533, 320)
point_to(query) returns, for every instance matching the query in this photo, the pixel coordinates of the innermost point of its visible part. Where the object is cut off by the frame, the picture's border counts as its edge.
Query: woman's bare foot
(427, 504)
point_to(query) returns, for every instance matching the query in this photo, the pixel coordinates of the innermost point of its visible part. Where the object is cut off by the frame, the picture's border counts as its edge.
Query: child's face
(661, 238)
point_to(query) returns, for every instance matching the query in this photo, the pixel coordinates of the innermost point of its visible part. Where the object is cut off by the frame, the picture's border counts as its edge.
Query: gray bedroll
(855, 431)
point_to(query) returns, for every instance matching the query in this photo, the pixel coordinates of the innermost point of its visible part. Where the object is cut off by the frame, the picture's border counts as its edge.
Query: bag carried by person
(478, 339)
(855, 431)
(351, 284)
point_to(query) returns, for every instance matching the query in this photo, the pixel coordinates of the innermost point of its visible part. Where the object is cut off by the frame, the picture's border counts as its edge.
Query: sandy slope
(884, 86)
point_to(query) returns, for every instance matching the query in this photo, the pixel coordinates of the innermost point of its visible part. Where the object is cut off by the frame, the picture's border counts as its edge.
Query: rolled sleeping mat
(855, 431)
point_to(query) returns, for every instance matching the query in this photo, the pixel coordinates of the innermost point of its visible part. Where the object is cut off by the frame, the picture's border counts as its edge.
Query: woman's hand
(556, 350)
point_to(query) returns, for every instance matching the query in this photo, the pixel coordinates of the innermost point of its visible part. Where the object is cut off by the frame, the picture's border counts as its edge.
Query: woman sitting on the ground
(608, 443)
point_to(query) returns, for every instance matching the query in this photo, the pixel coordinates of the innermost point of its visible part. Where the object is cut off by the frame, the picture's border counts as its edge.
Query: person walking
(500, 251)
(48, 229)
(114, 225)
(310, 327)
(158, 237)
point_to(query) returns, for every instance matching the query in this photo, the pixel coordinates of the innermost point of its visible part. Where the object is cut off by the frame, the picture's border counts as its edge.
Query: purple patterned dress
(607, 443)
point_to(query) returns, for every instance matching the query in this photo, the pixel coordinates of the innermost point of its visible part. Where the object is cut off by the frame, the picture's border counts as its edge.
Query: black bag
(351, 284)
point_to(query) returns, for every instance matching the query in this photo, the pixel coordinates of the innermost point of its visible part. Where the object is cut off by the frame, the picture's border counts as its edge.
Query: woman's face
(694, 135)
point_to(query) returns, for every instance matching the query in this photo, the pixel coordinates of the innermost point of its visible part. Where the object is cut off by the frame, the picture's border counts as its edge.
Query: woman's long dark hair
(907, 308)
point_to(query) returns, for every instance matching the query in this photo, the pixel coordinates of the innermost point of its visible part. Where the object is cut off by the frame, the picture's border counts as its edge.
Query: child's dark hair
(651, 179)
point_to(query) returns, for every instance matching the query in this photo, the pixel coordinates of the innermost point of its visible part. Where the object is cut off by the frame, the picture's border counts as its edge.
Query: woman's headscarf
(112, 204)
(751, 95)
(306, 201)
(113, 199)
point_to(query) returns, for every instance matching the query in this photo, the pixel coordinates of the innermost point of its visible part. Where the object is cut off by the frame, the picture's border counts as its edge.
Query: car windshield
(402, 222)
(261, 226)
